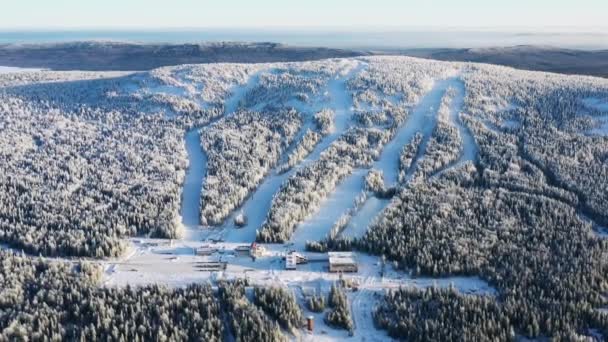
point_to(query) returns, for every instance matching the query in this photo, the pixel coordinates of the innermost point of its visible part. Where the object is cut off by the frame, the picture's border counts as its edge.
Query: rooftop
(341, 257)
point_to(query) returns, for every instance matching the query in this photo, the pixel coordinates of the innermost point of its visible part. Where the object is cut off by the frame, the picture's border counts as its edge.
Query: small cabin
(342, 262)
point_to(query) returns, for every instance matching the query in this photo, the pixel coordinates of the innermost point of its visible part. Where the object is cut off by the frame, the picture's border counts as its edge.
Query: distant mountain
(104, 56)
(539, 58)
(101, 56)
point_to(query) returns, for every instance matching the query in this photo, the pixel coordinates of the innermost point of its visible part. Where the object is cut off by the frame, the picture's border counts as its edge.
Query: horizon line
(338, 28)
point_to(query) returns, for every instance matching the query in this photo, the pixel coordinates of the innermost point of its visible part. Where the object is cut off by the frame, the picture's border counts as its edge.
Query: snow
(238, 93)
(175, 266)
(469, 146)
(596, 103)
(154, 261)
(255, 208)
(12, 70)
(602, 128)
(174, 263)
(258, 204)
(511, 124)
(364, 217)
(342, 104)
(422, 119)
(167, 90)
(193, 183)
(317, 226)
(599, 230)
(601, 105)
(470, 150)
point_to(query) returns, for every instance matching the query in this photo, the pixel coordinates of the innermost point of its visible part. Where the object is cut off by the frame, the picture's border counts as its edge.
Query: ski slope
(187, 100)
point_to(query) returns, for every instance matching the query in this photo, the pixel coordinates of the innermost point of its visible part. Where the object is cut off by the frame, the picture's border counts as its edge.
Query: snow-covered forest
(442, 170)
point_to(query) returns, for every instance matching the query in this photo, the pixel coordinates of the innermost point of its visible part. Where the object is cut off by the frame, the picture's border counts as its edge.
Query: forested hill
(117, 56)
(537, 58)
(101, 56)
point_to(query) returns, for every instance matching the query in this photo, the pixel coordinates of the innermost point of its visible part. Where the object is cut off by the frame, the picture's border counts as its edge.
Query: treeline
(407, 156)
(306, 145)
(324, 125)
(246, 322)
(280, 304)
(441, 315)
(42, 300)
(339, 314)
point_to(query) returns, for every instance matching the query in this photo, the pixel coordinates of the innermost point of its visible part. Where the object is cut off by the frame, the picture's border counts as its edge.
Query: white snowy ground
(318, 225)
(358, 224)
(597, 103)
(193, 183)
(602, 129)
(175, 265)
(11, 70)
(422, 119)
(601, 105)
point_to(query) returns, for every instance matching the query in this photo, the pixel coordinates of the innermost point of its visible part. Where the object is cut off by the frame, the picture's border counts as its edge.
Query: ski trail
(330, 210)
(342, 104)
(231, 105)
(363, 218)
(197, 165)
(193, 183)
(423, 119)
(469, 146)
(259, 202)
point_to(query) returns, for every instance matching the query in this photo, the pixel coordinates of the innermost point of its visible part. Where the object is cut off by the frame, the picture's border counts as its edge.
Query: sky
(363, 14)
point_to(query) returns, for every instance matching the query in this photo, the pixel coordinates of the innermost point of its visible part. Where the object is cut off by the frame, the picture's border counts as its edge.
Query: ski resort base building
(342, 262)
(293, 259)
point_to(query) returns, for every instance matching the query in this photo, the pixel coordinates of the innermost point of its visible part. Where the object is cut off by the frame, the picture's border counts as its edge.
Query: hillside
(100, 56)
(475, 197)
(539, 58)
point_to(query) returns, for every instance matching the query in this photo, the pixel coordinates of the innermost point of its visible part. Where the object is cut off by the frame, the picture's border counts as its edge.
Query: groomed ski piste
(333, 85)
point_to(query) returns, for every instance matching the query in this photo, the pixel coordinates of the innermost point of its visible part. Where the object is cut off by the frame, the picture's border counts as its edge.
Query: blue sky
(302, 13)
